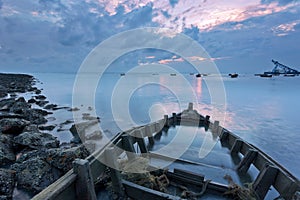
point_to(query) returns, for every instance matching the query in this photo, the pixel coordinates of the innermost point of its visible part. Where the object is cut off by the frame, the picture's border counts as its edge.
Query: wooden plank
(285, 185)
(138, 192)
(84, 185)
(56, 189)
(212, 187)
(247, 161)
(236, 146)
(264, 181)
(114, 173)
(189, 175)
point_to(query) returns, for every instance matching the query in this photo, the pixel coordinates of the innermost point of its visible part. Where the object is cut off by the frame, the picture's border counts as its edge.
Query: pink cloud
(285, 29)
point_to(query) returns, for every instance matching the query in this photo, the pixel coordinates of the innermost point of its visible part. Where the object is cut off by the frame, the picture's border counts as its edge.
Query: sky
(240, 35)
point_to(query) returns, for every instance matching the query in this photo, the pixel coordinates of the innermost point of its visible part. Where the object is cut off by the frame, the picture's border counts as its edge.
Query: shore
(31, 158)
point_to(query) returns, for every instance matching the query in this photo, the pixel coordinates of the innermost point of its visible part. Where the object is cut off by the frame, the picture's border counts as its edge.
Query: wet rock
(41, 97)
(31, 100)
(7, 183)
(96, 135)
(3, 91)
(50, 106)
(31, 128)
(47, 128)
(87, 116)
(60, 108)
(5, 104)
(41, 103)
(63, 158)
(37, 91)
(16, 82)
(35, 140)
(13, 125)
(7, 155)
(19, 106)
(35, 174)
(35, 116)
(73, 109)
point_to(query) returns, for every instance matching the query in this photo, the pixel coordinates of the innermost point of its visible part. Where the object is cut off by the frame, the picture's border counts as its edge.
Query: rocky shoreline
(30, 158)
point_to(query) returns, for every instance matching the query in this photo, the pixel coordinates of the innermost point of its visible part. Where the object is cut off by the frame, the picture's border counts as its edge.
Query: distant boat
(198, 75)
(173, 74)
(235, 75)
(266, 75)
(122, 74)
(289, 75)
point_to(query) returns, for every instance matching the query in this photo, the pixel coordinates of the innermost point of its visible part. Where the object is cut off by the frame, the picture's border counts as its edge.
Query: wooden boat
(187, 177)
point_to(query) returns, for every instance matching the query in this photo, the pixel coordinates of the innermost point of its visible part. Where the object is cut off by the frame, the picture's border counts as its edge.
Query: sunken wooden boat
(222, 174)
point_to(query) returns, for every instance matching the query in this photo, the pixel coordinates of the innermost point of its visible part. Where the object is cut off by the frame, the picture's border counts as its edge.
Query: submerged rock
(7, 183)
(48, 128)
(36, 140)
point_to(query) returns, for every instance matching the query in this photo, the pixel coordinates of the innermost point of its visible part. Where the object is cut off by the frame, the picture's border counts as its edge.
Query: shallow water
(263, 111)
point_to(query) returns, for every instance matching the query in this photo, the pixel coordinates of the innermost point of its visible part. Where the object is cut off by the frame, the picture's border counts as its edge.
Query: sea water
(263, 111)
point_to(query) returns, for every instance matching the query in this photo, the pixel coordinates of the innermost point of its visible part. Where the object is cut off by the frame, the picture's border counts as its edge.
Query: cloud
(285, 29)
(281, 2)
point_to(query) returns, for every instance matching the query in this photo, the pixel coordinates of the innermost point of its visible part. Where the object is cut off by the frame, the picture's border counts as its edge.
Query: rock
(96, 135)
(26, 155)
(36, 140)
(35, 116)
(63, 158)
(16, 82)
(73, 109)
(50, 106)
(48, 128)
(5, 104)
(3, 91)
(31, 128)
(13, 125)
(7, 182)
(7, 155)
(37, 91)
(40, 97)
(87, 116)
(41, 103)
(19, 106)
(35, 174)
(31, 100)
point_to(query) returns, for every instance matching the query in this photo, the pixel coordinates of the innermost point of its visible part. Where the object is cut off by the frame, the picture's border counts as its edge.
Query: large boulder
(7, 183)
(7, 155)
(35, 174)
(36, 140)
(13, 125)
(63, 158)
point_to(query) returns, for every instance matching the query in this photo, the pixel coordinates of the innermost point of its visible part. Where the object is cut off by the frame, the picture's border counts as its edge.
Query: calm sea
(263, 111)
